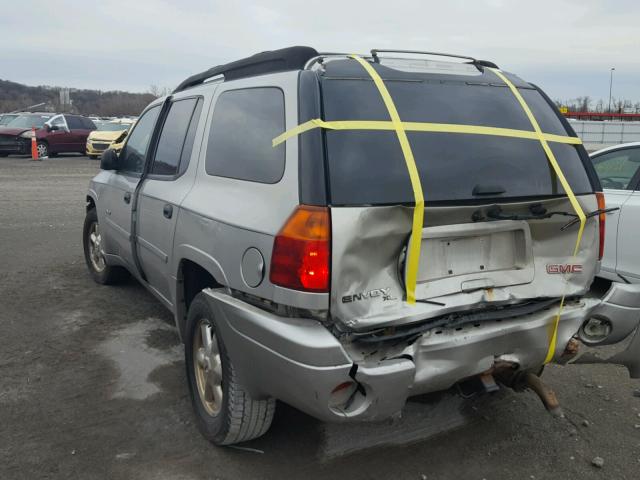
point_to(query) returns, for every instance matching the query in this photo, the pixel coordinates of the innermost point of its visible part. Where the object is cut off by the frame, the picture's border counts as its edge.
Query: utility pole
(610, 87)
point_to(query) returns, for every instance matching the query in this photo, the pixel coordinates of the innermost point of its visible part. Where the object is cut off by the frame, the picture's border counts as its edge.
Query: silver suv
(275, 206)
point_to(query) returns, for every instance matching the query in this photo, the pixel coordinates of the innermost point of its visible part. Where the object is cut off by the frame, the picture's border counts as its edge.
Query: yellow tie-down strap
(567, 188)
(401, 128)
(421, 127)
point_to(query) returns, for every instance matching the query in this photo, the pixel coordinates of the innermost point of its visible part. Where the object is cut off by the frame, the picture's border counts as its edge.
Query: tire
(43, 149)
(4, 155)
(99, 270)
(236, 417)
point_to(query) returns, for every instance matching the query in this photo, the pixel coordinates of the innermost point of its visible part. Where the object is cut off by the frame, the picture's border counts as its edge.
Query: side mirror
(54, 128)
(109, 160)
(47, 127)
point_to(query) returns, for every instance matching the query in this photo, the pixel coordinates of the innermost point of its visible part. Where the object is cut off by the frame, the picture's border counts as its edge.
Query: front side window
(58, 122)
(172, 141)
(134, 152)
(616, 169)
(243, 126)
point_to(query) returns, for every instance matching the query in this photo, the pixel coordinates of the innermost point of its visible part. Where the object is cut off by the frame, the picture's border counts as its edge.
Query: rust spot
(489, 294)
(572, 348)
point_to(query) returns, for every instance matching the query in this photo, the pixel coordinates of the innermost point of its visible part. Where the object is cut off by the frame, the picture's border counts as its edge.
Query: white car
(619, 171)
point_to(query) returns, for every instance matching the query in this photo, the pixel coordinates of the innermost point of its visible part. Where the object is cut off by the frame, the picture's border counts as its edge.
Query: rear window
(367, 167)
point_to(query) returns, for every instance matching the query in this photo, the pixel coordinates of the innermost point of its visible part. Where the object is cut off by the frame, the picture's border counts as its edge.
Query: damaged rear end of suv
(346, 232)
(497, 242)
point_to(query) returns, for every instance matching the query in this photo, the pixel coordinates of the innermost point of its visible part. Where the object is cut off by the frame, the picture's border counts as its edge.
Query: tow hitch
(507, 373)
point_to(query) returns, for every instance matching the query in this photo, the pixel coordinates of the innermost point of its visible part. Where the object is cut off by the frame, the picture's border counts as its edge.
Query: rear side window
(75, 123)
(616, 169)
(367, 167)
(172, 143)
(243, 126)
(134, 152)
(88, 123)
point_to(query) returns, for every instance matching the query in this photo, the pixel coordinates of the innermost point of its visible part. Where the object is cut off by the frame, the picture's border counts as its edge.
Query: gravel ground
(92, 384)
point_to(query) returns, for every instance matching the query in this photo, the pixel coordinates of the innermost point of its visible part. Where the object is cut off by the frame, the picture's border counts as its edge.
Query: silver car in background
(618, 168)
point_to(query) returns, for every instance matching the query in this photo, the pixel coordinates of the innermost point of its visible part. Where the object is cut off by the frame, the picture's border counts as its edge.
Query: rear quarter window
(240, 138)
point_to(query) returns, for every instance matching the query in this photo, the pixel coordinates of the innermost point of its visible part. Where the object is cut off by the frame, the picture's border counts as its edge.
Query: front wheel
(94, 254)
(43, 149)
(225, 412)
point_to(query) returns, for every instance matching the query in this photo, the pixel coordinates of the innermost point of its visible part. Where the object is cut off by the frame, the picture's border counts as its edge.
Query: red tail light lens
(301, 251)
(602, 217)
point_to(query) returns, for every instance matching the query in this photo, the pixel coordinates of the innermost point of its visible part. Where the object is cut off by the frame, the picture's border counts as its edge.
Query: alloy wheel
(207, 367)
(95, 248)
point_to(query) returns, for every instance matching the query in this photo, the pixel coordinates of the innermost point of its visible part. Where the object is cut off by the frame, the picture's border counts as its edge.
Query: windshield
(28, 121)
(368, 167)
(5, 119)
(112, 127)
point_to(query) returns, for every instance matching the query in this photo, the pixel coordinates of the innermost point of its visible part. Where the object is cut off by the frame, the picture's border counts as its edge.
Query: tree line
(588, 104)
(17, 97)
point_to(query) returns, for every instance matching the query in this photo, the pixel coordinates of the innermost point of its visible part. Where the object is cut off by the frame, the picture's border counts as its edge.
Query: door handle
(127, 197)
(167, 211)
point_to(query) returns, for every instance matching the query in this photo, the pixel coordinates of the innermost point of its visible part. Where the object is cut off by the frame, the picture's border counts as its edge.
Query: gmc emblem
(564, 268)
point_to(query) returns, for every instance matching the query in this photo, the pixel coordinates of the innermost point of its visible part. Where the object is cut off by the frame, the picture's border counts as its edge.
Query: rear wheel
(94, 254)
(225, 412)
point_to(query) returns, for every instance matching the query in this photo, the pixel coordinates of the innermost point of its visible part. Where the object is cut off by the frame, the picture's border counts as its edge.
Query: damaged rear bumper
(301, 363)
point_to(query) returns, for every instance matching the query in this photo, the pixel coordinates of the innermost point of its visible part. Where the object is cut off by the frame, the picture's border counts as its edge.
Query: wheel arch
(91, 200)
(195, 271)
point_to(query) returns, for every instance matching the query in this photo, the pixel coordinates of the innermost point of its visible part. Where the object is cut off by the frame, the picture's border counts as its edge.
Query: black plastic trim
(282, 60)
(311, 166)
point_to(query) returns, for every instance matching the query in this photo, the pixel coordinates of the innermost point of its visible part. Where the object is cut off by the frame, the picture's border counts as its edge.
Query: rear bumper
(300, 362)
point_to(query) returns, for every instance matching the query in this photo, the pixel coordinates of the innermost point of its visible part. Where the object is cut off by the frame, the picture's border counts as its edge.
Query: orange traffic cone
(34, 145)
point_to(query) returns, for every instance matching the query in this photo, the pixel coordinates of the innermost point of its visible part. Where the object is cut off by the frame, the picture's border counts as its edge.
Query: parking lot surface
(92, 384)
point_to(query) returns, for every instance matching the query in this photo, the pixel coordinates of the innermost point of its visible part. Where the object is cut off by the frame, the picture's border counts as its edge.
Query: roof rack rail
(282, 60)
(375, 51)
(483, 63)
(322, 55)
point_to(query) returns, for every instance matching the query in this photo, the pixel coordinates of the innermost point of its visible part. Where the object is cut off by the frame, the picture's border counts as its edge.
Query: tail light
(301, 251)
(601, 217)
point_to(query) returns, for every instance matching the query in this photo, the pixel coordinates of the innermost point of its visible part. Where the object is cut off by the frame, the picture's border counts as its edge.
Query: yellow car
(108, 134)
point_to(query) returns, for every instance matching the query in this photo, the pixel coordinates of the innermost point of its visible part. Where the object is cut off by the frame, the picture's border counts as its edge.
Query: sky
(566, 47)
